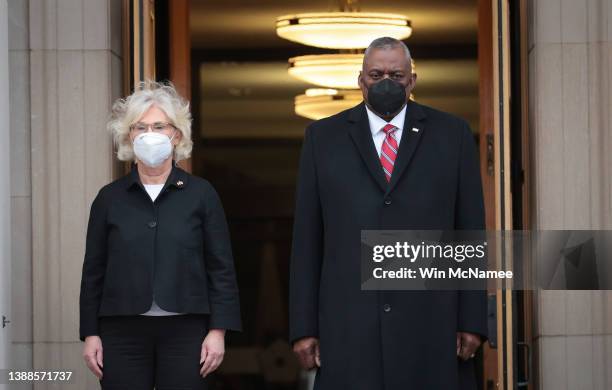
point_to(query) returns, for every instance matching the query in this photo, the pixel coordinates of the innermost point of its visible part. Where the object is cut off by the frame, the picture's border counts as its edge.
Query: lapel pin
(415, 129)
(179, 183)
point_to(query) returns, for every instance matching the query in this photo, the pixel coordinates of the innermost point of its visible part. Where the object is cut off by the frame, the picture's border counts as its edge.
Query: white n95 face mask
(152, 148)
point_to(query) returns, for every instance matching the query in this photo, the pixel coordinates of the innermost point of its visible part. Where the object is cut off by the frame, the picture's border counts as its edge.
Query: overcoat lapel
(414, 127)
(362, 137)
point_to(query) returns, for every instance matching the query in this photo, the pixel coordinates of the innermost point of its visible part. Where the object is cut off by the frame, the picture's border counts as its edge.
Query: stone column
(5, 192)
(570, 69)
(75, 74)
(21, 194)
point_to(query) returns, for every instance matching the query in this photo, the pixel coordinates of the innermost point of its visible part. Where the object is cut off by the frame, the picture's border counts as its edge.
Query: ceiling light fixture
(339, 71)
(342, 30)
(317, 103)
(348, 30)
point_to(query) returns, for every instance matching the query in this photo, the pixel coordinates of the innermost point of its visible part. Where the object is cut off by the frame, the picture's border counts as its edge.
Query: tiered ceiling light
(345, 30)
(337, 71)
(342, 30)
(327, 70)
(319, 103)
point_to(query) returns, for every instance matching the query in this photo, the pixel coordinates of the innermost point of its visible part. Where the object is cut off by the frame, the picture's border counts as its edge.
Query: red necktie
(388, 152)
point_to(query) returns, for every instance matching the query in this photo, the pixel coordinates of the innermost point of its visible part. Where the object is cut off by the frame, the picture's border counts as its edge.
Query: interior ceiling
(251, 23)
(259, 96)
(246, 77)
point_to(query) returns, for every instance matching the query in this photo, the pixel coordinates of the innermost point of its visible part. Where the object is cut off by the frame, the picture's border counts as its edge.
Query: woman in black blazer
(158, 289)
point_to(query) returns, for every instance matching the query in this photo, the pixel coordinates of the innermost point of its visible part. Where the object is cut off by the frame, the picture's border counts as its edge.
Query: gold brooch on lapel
(179, 183)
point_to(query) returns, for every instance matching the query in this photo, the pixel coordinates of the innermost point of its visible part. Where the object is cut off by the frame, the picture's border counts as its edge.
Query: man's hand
(92, 354)
(213, 350)
(307, 351)
(467, 344)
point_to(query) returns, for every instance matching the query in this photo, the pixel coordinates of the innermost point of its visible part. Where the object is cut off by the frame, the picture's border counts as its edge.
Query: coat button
(387, 307)
(387, 201)
(152, 224)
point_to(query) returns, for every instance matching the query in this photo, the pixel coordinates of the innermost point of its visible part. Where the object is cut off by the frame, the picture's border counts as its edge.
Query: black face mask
(386, 97)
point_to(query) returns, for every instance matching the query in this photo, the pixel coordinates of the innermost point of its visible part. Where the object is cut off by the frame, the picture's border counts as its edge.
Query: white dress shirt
(377, 123)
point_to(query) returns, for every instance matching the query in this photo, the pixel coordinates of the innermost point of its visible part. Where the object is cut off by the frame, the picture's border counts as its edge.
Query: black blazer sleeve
(307, 251)
(94, 268)
(470, 215)
(221, 277)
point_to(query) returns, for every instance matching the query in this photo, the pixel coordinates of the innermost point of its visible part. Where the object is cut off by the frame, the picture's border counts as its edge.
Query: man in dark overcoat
(388, 163)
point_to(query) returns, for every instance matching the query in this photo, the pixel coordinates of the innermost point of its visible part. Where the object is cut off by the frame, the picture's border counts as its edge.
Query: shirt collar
(377, 123)
(178, 178)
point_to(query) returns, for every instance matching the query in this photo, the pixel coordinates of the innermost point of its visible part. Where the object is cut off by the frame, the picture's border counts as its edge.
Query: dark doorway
(248, 140)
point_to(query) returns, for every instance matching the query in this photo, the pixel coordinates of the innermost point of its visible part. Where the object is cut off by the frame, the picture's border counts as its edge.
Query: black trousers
(142, 352)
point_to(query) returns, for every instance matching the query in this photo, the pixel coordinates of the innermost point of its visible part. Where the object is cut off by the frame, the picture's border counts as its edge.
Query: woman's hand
(92, 354)
(213, 349)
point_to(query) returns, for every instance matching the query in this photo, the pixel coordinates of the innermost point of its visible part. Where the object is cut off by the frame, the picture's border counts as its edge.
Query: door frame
(501, 124)
(139, 49)
(487, 164)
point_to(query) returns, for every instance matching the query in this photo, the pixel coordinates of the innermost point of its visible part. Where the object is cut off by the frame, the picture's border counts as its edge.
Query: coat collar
(414, 127)
(178, 178)
(362, 137)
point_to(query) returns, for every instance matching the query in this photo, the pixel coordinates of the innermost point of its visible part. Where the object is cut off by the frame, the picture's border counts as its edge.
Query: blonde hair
(127, 111)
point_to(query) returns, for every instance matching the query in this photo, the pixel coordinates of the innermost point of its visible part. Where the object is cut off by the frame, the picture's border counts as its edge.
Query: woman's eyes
(159, 126)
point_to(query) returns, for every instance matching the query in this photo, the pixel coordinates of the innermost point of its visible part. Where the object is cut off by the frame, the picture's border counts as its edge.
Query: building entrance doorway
(228, 59)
